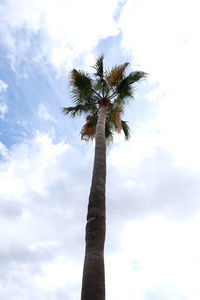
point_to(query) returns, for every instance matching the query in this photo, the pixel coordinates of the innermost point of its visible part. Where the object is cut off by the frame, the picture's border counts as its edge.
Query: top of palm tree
(112, 88)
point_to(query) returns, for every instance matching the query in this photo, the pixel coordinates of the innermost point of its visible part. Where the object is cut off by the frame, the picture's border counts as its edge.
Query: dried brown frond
(88, 132)
(116, 118)
(116, 74)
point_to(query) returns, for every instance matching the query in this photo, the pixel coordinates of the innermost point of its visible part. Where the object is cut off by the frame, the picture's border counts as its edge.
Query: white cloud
(163, 39)
(15, 174)
(59, 273)
(3, 150)
(38, 200)
(44, 114)
(3, 110)
(150, 183)
(67, 28)
(157, 257)
(3, 86)
(3, 105)
(42, 219)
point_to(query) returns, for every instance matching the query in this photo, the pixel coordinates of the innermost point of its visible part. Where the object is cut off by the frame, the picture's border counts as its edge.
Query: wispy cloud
(151, 206)
(55, 32)
(3, 105)
(44, 114)
(164, 41)
(3, 86)
(36, 171)
(3, 110)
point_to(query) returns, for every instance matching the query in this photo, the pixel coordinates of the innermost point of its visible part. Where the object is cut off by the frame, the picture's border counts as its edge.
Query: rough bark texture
(93, 283)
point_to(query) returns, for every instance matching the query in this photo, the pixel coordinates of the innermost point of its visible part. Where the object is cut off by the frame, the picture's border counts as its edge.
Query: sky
(153, 183)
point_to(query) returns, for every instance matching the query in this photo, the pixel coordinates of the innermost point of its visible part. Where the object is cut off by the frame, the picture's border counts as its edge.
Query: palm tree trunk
(93, 283)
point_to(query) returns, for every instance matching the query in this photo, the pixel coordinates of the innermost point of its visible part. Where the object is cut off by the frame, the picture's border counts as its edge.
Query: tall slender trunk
(93, 283)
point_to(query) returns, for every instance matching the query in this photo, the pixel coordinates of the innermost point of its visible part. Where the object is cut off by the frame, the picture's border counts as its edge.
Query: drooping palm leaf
(109, 132)
(126, 130)
(115, 117)
(89, 129)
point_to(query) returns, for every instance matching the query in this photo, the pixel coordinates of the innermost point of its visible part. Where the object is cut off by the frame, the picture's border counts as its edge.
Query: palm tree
(101, 97)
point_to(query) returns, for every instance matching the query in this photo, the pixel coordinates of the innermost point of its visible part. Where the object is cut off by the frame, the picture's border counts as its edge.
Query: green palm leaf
(99, 67)
(81, 86)
(109, 134)
(125, 88)
(78, 110)
(121, 101)
(100, 82)
(136, 76)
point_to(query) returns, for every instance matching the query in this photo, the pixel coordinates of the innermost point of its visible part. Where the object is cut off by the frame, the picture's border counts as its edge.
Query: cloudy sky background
(153, 185)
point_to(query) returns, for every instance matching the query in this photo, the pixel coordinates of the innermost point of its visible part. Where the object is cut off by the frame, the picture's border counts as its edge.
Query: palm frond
(124, 89)
(121, 102)
(100, 82)
(81, 85)
(99, 67)
(126, 130)
(115, 117)
(116, 74)
(78, 110)
(136, 76)
(88, 133)
(89, 129)
(92, 99)
(108, 132)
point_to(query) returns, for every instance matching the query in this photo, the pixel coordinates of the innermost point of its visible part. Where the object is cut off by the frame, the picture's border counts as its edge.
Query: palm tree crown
(112, 88)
